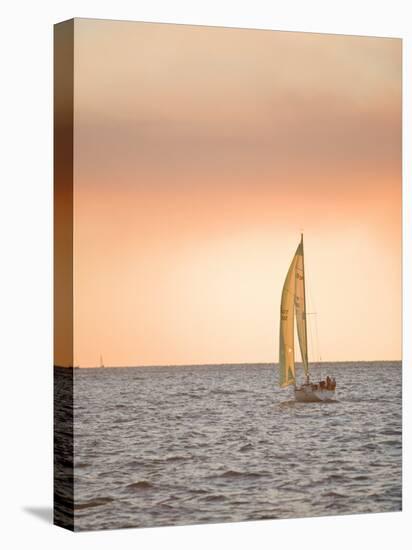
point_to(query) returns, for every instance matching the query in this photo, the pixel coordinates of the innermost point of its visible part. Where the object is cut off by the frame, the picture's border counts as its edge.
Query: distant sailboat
(293, 303)
(101, 362)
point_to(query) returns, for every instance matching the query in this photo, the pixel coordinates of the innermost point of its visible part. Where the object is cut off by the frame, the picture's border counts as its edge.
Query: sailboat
(101, 362)
(293, 305)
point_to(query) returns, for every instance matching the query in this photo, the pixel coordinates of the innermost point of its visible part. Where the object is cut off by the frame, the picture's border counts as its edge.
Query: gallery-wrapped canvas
(227, 211)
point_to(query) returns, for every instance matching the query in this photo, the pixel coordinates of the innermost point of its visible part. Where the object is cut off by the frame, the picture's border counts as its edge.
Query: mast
(304, 303)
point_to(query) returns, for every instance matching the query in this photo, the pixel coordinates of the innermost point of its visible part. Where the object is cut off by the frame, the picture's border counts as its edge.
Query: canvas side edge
(63, 505)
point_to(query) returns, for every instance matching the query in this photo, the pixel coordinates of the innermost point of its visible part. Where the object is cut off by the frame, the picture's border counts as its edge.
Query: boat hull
(306, 394)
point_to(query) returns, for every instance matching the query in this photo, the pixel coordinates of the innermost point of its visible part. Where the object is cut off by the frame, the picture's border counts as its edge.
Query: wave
(336, 477)
(177, 458)
(136, 463)
(234, 474)
(82, 465)
(266, 516)
(93, 503)
(333, 494)
(246, 447)
(198, 491)
(214, 498)
(188, 394)
(140, 486)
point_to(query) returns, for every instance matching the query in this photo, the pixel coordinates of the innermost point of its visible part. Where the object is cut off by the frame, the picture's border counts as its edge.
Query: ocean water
(184, 445)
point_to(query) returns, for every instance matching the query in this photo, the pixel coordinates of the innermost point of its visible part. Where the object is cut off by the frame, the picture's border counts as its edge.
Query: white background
(26, 271)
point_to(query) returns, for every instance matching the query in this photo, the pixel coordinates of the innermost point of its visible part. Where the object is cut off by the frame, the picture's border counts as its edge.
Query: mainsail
(293, 300)
(300, 307)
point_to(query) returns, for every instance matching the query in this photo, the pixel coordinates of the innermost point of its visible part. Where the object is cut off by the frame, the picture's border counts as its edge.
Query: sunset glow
(200, 154)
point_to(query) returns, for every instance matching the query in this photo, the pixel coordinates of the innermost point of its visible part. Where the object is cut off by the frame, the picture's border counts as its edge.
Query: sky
(200, 155)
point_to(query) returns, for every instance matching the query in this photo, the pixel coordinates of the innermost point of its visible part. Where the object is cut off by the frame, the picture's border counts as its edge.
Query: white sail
(286, 339)
(300, 307)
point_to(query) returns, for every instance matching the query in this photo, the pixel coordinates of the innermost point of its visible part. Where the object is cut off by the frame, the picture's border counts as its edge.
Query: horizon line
(225, 364)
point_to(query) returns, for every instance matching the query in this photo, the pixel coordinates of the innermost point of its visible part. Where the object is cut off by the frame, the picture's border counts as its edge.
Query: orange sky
(199, 155)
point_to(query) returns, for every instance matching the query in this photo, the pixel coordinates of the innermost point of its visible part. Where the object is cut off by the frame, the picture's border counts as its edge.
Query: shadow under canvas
(44, 513)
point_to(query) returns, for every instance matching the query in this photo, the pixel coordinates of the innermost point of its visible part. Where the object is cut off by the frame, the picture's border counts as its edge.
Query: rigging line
(310, 327)
(316, 324)
(317, 338)
(307, 293)
(310, 299)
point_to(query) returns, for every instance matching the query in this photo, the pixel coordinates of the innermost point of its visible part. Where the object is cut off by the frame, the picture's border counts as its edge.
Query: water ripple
(183, 445)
